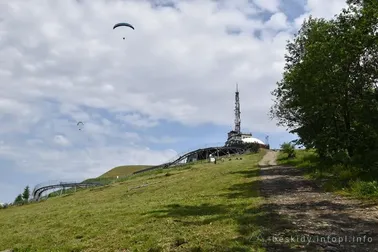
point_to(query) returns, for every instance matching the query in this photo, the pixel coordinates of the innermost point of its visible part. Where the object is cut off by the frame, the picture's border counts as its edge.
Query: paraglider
(123, 24)
(80, 125)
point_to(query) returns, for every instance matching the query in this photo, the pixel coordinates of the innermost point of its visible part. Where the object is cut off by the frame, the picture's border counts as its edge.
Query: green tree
(328, 95)
(19, 200)
(288, 149)
(26, 194)
(253, 147)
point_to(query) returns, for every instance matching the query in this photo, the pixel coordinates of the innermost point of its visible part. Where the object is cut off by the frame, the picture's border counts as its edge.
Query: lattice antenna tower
(237, 110)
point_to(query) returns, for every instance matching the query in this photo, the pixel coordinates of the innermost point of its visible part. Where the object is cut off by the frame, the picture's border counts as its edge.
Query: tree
(19, 200)
(253, 147)
(288, 148)
(26, 194)
(297, 103)
(328, 95)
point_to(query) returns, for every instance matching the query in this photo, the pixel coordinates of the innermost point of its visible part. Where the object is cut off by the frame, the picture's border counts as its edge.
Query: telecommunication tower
(237, 111)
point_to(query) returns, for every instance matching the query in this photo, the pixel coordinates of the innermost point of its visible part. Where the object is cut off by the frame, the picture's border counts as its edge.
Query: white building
(244, 137)
(252, 140)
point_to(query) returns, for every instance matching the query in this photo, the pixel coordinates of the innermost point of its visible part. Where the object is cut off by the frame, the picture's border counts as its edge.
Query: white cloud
(137, 120)
(269, 5)
(325, 8)
(163, 139)
(277, 21)
(61, 62)
(61, 140)
(320, 8)
(76, 58)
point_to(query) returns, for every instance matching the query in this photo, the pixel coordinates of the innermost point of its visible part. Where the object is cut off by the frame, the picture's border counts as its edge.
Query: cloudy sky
(168, 87)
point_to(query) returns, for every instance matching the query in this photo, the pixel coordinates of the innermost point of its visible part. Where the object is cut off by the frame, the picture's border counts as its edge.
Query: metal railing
(51, 185)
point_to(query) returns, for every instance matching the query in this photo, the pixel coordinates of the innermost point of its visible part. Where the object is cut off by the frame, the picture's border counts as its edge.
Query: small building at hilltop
(236, 135)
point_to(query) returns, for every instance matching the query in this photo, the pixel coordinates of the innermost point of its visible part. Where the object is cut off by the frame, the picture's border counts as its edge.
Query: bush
(252, 147)
(288, 149)
(364, 188)
(346, 175)
(368, 162)
(4, 206)
(341, 157)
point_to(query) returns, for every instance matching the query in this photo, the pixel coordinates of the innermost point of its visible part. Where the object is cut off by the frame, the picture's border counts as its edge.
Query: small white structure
(211, 158)
(117, 177)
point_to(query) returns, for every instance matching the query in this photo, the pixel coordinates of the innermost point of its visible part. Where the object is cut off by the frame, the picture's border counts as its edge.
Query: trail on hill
(321, 221)
(269, 159)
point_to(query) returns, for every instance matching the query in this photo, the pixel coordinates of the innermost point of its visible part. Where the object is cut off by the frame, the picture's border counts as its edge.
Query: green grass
(201, 207)
(124, 170)
(303, 159)
(333, 178)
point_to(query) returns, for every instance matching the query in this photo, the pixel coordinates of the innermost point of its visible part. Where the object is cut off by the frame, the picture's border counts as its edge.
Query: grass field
(111, 176)
(203, 207)
(124, 170)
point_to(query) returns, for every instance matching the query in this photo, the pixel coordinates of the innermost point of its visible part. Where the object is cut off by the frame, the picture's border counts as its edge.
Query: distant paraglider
(123, 24)
(80, 125)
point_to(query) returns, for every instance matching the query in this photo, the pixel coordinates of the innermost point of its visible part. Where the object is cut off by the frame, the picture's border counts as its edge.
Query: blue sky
(167, 88)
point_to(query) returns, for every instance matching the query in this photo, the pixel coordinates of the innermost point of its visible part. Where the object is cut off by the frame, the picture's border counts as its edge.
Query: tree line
(328, 94)
(21, 199)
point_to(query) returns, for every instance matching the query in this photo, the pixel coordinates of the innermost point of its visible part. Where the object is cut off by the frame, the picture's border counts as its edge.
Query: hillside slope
(123, 170)
(204, 207)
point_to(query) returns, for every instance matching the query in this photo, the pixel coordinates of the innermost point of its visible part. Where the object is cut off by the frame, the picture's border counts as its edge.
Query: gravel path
(333, 223)
(269, 159)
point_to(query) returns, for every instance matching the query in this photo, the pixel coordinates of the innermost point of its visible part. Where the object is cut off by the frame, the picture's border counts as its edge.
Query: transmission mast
(237, 110)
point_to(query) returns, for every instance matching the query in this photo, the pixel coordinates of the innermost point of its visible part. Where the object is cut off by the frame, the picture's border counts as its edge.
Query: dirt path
(333, 223)
(269, 159)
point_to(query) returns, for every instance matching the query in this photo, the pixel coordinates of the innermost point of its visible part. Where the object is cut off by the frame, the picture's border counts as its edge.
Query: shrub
(4, 206)
(346, 175)
(341, 157)
(364, 188)
(367, 162)
(252, 147)
(288, 149)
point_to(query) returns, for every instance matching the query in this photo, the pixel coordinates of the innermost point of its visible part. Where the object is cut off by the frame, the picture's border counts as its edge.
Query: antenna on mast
(237, 110)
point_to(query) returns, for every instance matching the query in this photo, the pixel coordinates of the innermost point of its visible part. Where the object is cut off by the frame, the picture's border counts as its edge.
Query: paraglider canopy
(80, 125)
(123, 24)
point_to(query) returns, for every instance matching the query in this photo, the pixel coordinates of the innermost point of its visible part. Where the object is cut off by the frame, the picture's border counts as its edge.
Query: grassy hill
(123, 170)
(201, 207)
